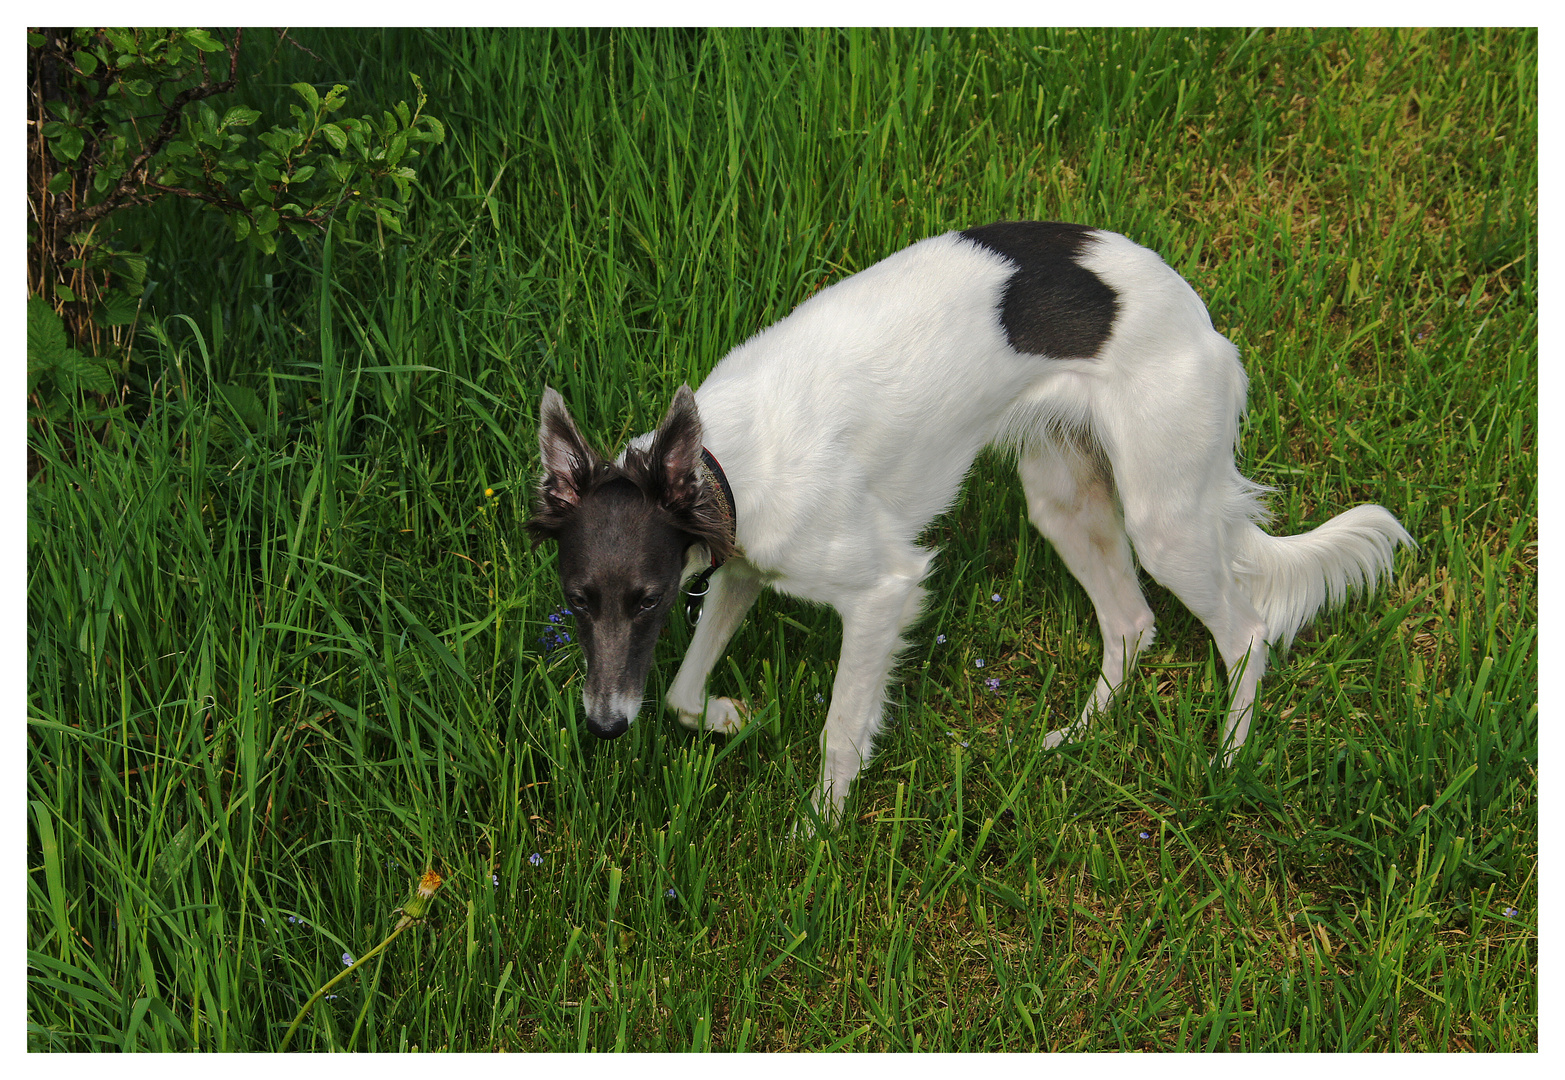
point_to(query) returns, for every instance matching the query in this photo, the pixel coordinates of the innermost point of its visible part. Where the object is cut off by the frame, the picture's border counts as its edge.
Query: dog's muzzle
(613, 728)
(609, 716)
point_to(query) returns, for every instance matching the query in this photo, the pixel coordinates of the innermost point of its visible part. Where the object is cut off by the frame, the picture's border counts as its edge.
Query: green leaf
(35, 40)
(59, 182)
(246, 404)
(85, 371)
(300, 175)
(46, 342)
(265, 220)
(240, 116)
(398, 148)
(203, 40)
(123, 41)
(117, 309)
(436, 131)
(133, 266)
(67, 145)
(86, 63)
(138, 87)
(335, 136)
(307, 92)
(241, 226)
(64, 293)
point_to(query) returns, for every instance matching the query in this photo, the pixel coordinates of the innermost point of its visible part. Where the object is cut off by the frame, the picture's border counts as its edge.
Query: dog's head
(624, 531)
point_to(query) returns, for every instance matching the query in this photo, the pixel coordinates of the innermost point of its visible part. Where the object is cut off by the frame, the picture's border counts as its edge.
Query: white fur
(847, 427)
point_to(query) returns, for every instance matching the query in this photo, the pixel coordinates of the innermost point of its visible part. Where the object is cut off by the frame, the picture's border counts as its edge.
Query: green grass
(276, 670)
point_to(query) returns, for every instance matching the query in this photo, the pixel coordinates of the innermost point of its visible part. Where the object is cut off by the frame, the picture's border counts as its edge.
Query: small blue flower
(995, 598)
(495, 879)
(293, 919)
(535, 858)
(819, 699)
(1510, 913)
(347, 959)
(672, 894)
(979, 662)
(331, 997)
(1145, 835)
(940, 639)
(964, 742)
(992, 684)
(555, 617)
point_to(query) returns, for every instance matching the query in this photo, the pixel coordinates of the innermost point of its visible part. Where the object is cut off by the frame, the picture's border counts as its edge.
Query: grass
(277, 670)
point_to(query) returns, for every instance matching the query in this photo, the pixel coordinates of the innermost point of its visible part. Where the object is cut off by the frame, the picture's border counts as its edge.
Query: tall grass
(279, 666)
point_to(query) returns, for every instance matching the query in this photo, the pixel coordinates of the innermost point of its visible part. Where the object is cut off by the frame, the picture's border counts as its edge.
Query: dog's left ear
(569, 465)
(675, 453)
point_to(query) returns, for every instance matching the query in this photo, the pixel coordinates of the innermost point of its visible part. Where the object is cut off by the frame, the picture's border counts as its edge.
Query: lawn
(282, 661)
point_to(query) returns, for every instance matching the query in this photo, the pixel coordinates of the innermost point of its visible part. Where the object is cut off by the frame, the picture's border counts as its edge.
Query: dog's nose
(612, 728)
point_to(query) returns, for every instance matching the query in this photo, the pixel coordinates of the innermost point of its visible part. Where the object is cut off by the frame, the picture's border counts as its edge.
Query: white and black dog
(817, 452)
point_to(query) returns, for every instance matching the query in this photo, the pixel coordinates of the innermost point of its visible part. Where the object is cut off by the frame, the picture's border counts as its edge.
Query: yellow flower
(418, 903)
(488, 493)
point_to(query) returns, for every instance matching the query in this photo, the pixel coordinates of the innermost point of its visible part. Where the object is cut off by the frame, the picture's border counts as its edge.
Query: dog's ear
(568, 462)
(675, 453)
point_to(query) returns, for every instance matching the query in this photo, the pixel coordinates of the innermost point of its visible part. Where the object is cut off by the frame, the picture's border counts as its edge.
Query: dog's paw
(829, 811)
(1061, 736)
(726, 715)
(723, 715)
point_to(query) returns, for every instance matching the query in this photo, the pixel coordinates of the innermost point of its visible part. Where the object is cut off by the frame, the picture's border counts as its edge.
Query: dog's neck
(712, 473)
(717, 483)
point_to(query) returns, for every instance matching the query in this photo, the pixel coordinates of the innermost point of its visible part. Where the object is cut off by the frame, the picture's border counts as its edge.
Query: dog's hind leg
(732, 590)
(1186, 508)
(1070, 499)
(873, 622)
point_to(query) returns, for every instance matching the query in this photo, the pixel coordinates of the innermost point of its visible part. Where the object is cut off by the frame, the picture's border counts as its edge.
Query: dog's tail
(1290, 578)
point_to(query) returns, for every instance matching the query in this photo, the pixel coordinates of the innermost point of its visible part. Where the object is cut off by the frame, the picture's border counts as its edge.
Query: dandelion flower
(488, 493)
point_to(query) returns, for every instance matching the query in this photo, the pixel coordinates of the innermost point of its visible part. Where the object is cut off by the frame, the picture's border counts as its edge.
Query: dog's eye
(651, 602)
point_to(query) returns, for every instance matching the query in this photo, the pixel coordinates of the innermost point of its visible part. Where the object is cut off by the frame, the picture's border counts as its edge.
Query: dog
(816, 453)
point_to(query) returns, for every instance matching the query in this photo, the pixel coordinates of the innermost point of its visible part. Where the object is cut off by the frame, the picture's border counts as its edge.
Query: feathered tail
(1290, 578)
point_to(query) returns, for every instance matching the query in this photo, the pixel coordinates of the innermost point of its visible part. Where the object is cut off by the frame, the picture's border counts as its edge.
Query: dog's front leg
(732, 590)
(873, 622)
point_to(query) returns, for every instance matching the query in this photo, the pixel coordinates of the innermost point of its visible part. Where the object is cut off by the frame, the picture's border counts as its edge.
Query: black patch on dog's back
(1052, 305)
